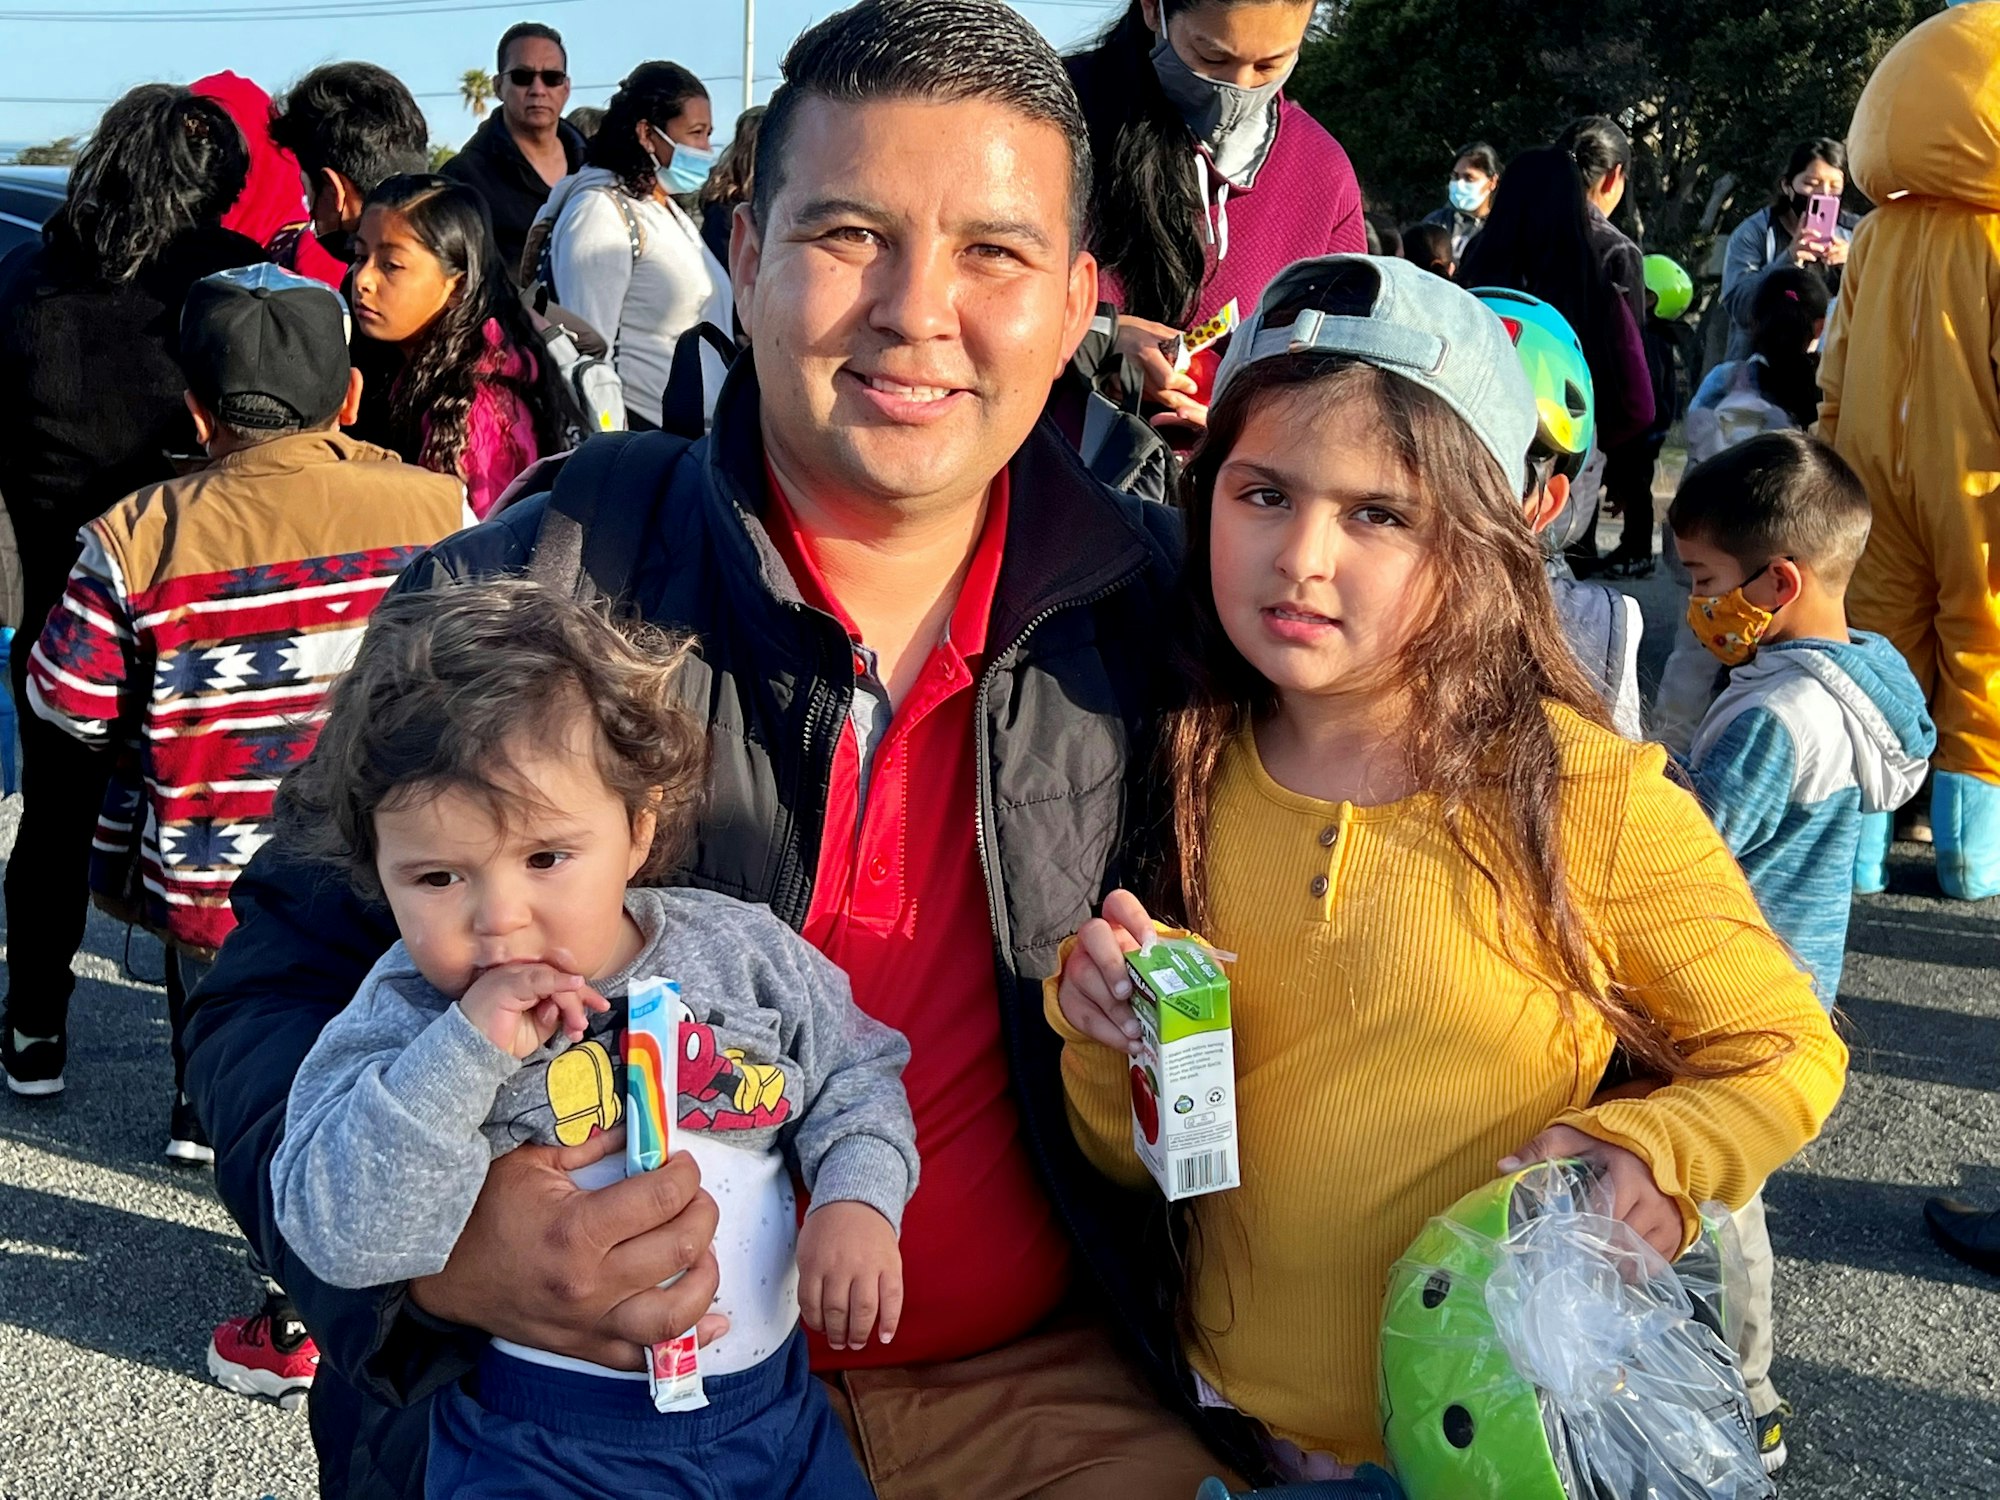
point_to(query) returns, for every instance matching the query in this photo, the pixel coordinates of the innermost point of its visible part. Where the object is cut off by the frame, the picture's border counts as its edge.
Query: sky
(65, 69)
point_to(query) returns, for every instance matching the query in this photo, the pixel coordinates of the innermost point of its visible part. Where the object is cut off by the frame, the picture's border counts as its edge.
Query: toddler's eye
(546, 859)
(437, 880)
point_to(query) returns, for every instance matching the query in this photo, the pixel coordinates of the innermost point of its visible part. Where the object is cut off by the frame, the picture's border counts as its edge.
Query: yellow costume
(1390, 1050)
(1911, 396)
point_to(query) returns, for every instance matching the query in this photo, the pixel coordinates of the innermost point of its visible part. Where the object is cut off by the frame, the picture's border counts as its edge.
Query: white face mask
(1467, 196)
(1235, 124)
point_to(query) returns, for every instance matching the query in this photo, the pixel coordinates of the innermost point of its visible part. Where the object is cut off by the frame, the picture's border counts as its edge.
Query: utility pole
(749, 53)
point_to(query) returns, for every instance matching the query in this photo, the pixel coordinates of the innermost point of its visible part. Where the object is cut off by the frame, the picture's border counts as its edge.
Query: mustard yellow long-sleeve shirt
(1389, 1052)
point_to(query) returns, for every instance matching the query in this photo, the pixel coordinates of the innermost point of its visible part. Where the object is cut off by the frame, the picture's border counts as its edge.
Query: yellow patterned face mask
(1729, 625)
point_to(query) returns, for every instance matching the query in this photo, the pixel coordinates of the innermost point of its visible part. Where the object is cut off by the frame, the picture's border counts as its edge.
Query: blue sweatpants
(513, 1430)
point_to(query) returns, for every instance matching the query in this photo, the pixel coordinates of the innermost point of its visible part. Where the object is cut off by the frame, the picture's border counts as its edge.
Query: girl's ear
(453, 286)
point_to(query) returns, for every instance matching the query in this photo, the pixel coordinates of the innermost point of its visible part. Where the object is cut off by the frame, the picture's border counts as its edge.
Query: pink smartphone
(1822, 215)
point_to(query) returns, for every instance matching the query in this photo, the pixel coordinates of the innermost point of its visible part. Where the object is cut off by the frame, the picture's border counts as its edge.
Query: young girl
(497, 766)
(1787, 317)
(1455, 895)
(469, 397)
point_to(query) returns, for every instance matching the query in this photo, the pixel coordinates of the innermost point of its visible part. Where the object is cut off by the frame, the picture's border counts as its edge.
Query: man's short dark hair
(281, 420)
(522, 31)
(938, 51)
(1779, 494)
(355, 119)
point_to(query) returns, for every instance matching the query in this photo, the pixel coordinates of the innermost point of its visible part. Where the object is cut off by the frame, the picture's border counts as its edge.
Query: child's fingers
(1124, 911)
(592, 1000)
(810, 1312)
(863, 1297)
(575, 1016)
(1096, 1022)
(833, 1307)
(892, 1302)
(1099, 942)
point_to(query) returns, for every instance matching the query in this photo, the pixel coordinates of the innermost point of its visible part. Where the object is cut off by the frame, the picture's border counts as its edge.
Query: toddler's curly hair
(447, 680)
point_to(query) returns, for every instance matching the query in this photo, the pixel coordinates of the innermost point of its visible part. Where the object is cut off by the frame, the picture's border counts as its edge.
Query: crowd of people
(1041, 512)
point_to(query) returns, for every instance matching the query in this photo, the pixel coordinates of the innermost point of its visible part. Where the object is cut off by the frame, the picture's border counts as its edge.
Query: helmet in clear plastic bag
(1534, 1348)
(1666, 280)
(1551, 355)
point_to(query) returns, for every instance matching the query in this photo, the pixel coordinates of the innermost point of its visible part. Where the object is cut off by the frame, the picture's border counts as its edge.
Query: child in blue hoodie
(1818, 728)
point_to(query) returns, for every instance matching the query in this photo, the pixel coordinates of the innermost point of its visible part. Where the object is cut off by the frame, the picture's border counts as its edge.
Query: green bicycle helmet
(1552, 356)
(1667, 281)
(1533, 1348)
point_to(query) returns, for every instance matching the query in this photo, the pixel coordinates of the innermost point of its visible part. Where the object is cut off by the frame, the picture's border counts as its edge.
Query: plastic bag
(1533, 1345)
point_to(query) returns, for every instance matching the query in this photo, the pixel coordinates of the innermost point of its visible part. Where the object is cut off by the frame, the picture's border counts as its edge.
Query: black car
(29, 197)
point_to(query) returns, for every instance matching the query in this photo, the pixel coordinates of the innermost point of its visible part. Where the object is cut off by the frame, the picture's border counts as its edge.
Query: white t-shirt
(643, 306)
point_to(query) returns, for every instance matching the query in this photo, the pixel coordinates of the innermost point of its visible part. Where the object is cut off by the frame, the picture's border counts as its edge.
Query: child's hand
(1096, 992)
(518, 1006)
(850, 1272)
(1636, 1198)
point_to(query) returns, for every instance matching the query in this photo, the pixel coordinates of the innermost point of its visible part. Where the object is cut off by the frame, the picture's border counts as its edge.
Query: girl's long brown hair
(1481, 675)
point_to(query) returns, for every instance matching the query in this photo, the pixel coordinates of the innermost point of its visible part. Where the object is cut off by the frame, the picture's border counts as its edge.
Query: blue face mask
(687, 169)
(1466, 196)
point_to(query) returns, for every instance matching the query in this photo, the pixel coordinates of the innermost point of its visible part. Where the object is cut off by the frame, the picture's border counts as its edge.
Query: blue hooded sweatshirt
(1807, 737)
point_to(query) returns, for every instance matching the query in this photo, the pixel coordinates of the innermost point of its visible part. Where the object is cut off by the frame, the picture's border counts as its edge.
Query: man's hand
(1636, 1198)
(850, 1271)
(544, 1263)
(1096, 993)
(517, 1007)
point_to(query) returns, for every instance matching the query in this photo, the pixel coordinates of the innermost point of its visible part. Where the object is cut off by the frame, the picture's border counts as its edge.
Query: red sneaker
(267, 1353)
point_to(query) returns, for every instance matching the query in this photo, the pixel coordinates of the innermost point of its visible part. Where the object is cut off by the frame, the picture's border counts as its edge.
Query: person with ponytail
(91, 410)
(1207, 181)
(469, 397)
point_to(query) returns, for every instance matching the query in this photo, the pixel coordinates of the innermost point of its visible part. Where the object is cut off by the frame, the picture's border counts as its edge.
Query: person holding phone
(1802, 225)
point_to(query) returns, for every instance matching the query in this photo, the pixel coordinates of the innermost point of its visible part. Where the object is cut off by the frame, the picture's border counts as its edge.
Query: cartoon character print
(584, 1092)
(720, 1089)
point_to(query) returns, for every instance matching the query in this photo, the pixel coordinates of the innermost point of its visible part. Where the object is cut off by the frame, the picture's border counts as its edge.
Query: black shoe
(1771, 1438)
(34, 1065)
(1970, 1234)
(187, 1144)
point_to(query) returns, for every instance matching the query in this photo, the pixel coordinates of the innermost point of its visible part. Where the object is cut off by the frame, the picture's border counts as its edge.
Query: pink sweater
(1306, 202)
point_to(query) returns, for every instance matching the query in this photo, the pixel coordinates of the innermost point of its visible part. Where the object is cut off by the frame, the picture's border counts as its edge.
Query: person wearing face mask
(1207, 180)
(1475, 173)
(621, 252)
(1777, 234)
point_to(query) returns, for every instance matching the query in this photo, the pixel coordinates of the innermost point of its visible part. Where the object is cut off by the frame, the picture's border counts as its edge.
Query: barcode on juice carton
(1195, 1174)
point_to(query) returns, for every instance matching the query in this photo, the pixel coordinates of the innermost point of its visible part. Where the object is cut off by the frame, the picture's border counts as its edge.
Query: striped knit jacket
(201, 629)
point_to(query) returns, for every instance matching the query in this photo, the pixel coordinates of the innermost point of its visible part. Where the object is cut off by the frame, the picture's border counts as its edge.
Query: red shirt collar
(974, 609)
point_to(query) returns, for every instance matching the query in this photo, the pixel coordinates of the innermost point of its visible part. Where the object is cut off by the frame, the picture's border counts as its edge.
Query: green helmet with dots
(1671, 285)
(1552, 356)
(1533, 1349)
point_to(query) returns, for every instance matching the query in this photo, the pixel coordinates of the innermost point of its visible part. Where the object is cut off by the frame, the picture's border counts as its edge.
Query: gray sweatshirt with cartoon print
(403, 1103)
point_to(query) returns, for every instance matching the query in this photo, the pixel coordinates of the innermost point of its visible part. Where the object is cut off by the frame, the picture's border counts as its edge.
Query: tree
(1714, 93)
(440, 155)
(475, 89)
(60, 152)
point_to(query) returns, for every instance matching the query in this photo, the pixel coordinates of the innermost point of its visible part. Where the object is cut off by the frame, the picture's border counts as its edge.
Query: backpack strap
(631, 221)
(683, 408)
(599, 512)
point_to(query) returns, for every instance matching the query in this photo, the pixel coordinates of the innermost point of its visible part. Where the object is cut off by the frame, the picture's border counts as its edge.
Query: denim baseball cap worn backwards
(1403, 319)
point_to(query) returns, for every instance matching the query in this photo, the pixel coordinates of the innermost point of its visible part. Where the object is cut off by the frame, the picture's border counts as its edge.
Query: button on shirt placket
(1322, 888)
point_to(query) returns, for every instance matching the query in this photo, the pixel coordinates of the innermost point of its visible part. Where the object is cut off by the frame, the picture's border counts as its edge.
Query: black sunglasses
(552, 78)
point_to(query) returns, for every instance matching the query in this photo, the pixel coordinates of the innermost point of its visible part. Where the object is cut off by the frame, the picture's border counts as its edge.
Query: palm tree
(475, 87)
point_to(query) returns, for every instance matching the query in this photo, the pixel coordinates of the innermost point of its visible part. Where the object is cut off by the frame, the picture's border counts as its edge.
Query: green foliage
(1714, 93)
(440, 155)
(57, 153)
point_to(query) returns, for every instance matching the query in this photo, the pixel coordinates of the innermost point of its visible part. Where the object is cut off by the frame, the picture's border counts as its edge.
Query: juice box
(1184, 1079)
(652, 1087)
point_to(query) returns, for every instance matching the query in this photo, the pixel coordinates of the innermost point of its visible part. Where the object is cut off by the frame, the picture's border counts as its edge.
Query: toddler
(498, 765)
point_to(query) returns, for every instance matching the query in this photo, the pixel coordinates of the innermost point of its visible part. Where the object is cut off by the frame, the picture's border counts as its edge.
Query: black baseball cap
(261, 331)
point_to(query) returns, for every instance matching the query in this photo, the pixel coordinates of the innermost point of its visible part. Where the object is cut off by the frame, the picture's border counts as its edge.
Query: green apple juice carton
(1184, 1078)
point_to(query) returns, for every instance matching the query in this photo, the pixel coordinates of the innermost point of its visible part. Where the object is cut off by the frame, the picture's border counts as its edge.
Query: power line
(316, 10)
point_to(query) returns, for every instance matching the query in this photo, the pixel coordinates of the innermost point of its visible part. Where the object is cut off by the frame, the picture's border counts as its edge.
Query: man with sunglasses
(517, 155)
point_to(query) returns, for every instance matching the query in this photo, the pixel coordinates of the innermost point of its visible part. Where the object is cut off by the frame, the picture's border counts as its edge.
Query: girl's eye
(546, 859)
(437, 880)
(1267, 499)
(1376, 515)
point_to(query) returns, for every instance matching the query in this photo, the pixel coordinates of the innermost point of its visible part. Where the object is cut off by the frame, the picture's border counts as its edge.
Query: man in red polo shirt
(929, 649)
